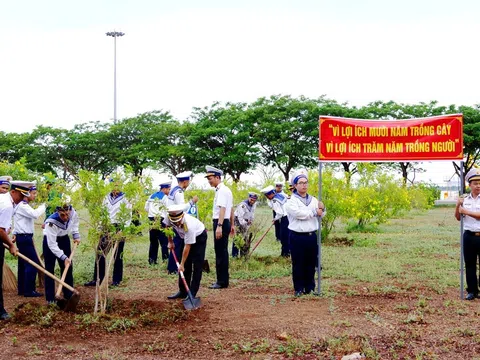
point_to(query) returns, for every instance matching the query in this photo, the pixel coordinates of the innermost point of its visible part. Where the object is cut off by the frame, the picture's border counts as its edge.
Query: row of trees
(279, 131)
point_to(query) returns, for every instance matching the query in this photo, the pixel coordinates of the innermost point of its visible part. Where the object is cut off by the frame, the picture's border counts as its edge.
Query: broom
(9, 279)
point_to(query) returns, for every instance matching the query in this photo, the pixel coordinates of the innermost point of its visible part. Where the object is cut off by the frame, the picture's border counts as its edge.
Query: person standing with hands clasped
(222, 225)
(303, 211)
(469, 206)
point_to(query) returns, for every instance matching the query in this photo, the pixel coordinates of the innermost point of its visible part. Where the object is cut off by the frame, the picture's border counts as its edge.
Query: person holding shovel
(303, 211)
(192, 233)
(8, 201)
(56, 247)
(176, 197)
(24, 225)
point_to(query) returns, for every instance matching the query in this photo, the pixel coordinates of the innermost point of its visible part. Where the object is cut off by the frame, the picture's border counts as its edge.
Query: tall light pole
(115, 34)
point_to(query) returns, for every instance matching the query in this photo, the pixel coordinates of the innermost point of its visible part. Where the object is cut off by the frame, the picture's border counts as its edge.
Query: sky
(56, 63)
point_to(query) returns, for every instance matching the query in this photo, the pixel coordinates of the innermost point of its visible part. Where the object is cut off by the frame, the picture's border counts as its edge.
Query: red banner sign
(432, 138)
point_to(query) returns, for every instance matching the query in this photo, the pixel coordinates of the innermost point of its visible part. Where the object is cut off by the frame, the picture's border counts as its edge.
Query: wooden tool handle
(64, 275)
(46, 272)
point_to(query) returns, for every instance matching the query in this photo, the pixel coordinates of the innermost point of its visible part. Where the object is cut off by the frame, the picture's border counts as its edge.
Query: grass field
(393, 294)
(419, 248)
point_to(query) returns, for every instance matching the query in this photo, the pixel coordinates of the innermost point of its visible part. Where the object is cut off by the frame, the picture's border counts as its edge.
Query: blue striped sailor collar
(115, 197)
(305, 200)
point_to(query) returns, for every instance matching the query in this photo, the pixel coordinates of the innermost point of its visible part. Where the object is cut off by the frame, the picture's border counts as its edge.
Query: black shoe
(5, 316)
(172, 273)
(217, 286)
(34, 294)
(298, 293)
(470, 296)
(178, 295)
(115, 283)
(90, 283)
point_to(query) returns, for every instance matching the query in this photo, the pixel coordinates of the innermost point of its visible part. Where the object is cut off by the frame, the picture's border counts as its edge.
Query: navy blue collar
(306, 200)
(56, 220)
(113, 200)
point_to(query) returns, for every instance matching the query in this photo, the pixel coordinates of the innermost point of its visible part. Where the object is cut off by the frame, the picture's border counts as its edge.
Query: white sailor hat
(22, 186)
(268, 190)
(253, 195)
(213, 171)
(279, 183)
(299, 174)
(186, 175)
(473, 174)
(165, 184)
(175, 212)
(5, 180)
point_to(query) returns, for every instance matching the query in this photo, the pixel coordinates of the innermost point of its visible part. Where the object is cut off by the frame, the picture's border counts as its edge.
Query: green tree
(286, 129)
(135, 140)
(44, 150)
(89, 147)
(173, 151)
(471, 136)
(224, 136)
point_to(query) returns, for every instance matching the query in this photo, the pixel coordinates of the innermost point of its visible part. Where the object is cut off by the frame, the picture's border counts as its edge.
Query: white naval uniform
(245, 213)
(156, 205)
(113, 205)
(469, 222)
(24, 217)
(223, 198)
(194, 228)
(54, 229)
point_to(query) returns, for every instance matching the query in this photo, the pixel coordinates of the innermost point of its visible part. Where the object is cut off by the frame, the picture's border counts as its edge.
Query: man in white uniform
(194, 237)
(222, 225)
(470, 208)
(8, 201)
(176, 197)
(155, 207)
(243, 219)
(303, 211)
(277, 202)
(24, 224)
(113, 202)
(57, 247)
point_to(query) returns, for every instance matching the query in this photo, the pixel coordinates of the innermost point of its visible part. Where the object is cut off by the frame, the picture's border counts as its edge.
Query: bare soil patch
(252, 319)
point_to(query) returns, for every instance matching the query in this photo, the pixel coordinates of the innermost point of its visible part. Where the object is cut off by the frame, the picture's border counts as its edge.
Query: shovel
(64, 275)
(72, 303)
(191, 303)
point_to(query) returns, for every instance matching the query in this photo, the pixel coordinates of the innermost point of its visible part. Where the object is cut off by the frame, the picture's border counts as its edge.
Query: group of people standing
(296, 215)
(298, 218)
